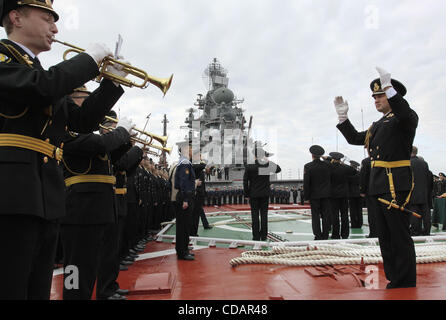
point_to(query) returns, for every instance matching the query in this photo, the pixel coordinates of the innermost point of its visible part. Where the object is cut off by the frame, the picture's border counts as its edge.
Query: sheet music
(118, 46)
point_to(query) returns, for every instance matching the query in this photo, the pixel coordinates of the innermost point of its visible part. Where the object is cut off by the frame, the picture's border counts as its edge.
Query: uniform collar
(29, 52)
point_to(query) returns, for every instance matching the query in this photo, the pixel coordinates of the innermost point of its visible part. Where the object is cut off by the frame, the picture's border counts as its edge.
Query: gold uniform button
(45, 159)
(371, 159)
(378, 156)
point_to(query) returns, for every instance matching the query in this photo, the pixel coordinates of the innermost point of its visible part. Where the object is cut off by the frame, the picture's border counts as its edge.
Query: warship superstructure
(217, 123)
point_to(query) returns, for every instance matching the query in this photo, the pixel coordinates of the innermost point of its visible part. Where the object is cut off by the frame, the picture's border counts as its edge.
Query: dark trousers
(123, 241)
(183, 226)
(421, 226)
(397, 247)
(295, 199)
(371, 216)
(320, 209)
(28, 248)
(259, 207)
(198, 213)
(355, 205)
(339, 206)
(131, 226)
(83, 246)
(109, 262)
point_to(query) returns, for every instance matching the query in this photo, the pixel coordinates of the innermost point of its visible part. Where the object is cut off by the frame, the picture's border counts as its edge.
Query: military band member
(317, 189)
(389, 143)
(125, 169)
(89, 227)
(115, 251)
(34, 115)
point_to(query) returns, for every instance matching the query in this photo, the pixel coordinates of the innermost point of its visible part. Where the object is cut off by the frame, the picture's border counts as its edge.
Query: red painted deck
(210, 277)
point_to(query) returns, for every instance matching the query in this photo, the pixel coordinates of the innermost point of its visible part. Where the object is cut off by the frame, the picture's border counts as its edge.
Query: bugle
(162, 83)
(160, 139)
(141, 141)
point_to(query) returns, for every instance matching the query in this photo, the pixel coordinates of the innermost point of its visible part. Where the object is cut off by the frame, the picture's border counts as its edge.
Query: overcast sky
(287, 59)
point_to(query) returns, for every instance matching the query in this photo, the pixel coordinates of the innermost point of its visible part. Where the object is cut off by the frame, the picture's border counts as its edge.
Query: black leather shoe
(187, 257)
(116, 297)
(129, 258)
(123, 267)
(191, 254)
(122, 292)
(208, 227)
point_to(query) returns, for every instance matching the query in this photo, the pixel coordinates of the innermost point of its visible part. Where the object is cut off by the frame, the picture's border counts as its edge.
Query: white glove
(341, 108)
(385, 78)
(126, 123)
(98, 51)
(118, 70)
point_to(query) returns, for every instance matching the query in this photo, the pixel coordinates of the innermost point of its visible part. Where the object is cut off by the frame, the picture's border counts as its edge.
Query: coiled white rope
(336, 254)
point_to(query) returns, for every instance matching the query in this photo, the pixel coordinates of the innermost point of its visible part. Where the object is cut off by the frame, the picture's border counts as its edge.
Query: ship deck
(158, 275)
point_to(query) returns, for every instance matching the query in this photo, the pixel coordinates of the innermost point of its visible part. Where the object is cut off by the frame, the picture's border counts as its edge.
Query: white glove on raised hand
(98, 51)
(341, 108)
(385, 78)
(126, 123)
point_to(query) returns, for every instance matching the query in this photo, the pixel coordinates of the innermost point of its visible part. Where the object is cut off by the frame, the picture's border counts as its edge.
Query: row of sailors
(234, 195)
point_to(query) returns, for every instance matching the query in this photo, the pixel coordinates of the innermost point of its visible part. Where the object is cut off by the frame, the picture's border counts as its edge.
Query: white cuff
(391, 92)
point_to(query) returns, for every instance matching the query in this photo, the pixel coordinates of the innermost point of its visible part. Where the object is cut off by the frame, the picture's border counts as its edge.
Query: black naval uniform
(339, 199)
(198, 212)
(114, 253)
(91, 209)
(355, 201)
(256, 185)
(419, 202)
(364, 178)
(34, 105)
(317, 189)
(390, 139)
(185, 184)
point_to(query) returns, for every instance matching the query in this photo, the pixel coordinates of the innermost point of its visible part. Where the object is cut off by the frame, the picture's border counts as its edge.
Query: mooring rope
(336, 254)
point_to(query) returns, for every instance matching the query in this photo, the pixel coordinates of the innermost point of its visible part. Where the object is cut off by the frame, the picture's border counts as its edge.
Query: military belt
(389, 165)
(121, 191)
(91, 178)
(30, 143)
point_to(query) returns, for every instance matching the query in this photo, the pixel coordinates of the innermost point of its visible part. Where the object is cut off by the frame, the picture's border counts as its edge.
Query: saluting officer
(34, 116)
(389, 142)
(317, 189)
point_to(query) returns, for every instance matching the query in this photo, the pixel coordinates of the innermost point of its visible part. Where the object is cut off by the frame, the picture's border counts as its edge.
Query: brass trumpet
(162, 83)
(143, 142)
(160, 139)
